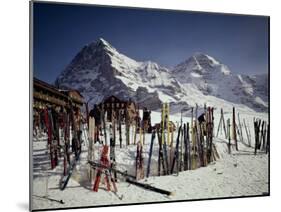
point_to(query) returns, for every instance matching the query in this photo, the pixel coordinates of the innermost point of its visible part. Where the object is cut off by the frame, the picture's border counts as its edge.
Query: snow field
(239, 174)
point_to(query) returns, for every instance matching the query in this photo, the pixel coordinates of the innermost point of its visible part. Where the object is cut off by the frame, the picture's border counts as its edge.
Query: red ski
(103, 169)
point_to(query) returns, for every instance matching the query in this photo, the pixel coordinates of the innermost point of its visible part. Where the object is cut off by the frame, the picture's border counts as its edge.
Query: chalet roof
(59, 92)
(47, 86)
(109, 98)
(67, 91)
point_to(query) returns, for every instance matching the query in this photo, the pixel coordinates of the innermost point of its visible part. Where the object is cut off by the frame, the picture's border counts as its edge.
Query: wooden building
(115, 106)
(48, 96)
(75, 97)
(112, 103)
(45, 94)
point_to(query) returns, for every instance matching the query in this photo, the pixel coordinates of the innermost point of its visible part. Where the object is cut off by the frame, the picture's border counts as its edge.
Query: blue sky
(166, 37)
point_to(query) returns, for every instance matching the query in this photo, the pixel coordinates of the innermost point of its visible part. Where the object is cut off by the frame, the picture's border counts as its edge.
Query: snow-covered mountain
(215, 79)
(99, 70)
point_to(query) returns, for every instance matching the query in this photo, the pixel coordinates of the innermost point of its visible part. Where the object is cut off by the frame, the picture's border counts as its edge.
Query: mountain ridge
(99, 70)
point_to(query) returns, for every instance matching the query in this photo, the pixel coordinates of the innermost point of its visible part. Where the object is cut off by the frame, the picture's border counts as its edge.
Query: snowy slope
(99, 71)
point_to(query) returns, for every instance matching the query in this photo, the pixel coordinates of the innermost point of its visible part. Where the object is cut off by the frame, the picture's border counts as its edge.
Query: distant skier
(201, 118)
(202, 121)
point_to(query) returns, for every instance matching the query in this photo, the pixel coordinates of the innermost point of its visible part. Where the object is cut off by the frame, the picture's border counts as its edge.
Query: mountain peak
(204, 58)
(103, 42)
(201, 64)
(100, 44)
(199, 54)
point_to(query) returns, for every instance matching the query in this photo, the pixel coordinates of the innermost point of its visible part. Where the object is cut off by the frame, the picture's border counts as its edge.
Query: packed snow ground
(238, 174)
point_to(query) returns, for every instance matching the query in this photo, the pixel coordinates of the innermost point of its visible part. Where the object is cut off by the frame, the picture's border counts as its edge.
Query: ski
(127, 125)
(181, 155)
(135, 131)
(257, 124)
(66, 159)
(139, 162)
(149, 187)
(209, 134)
(150, 153)
(160, 156)
(96, 165)
(193, 140)
(185, 156)
(120, 128)
(104, 162)
(261, 135)
(247, 133)
(197, 137)
(240, 129)
(176, 154)
(163, 137)
(112, 149)
(104, 124)
(264, 137)
(234, 129)
(65, 179)
(51, 113)
(188, 147)
(50, 199)
(165, 155)
(49, 133)
(267, 148)
(229, 138)
(91, 124)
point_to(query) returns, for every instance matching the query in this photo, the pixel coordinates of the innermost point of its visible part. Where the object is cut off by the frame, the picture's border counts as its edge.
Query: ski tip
(172, 194)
